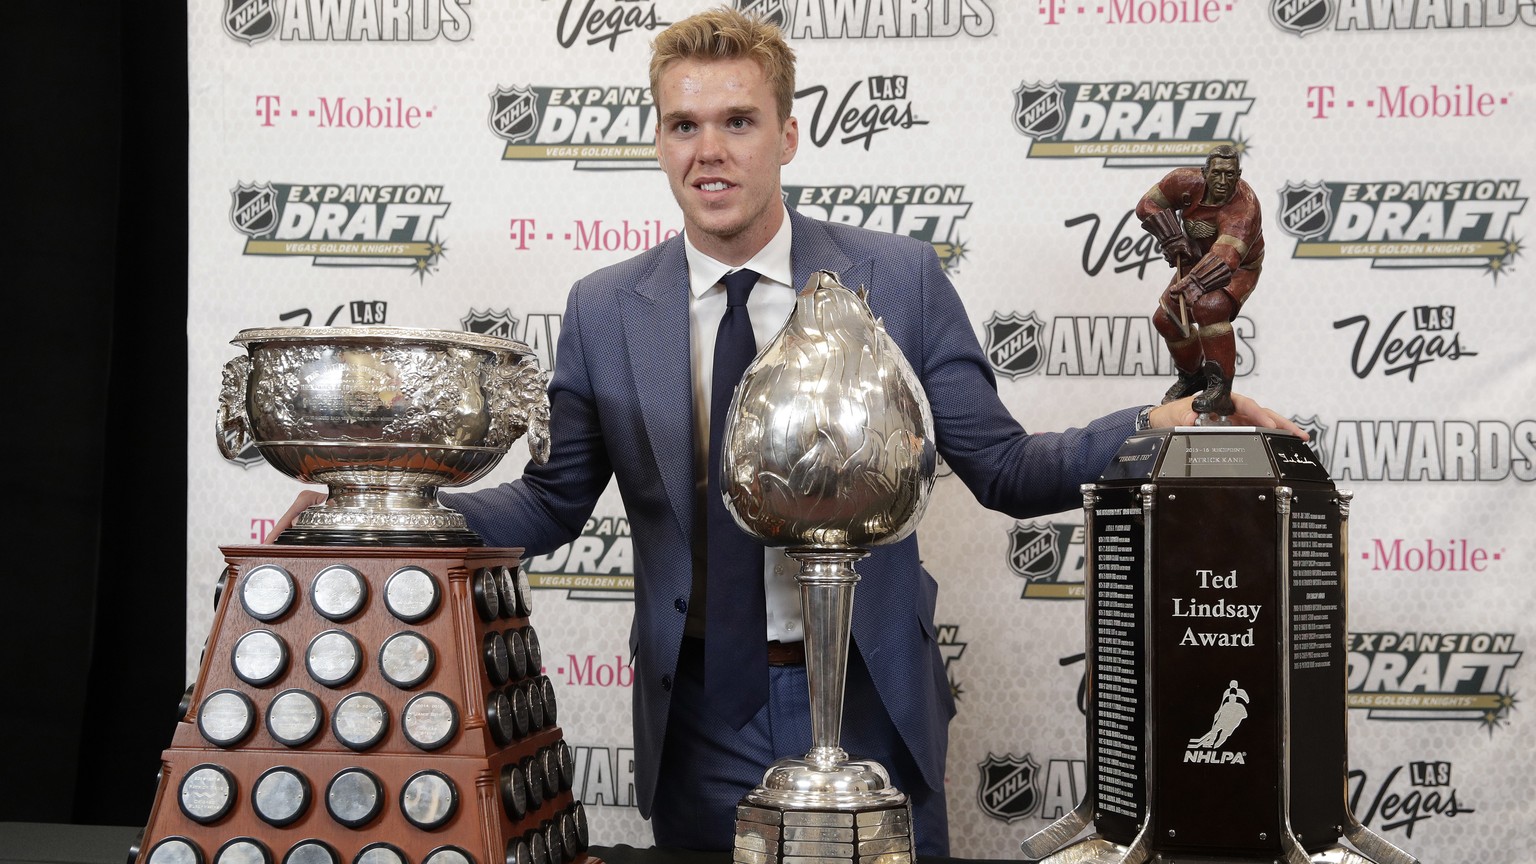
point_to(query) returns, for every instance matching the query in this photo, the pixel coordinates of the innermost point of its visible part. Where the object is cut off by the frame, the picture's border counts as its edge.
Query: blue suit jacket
(621, 404)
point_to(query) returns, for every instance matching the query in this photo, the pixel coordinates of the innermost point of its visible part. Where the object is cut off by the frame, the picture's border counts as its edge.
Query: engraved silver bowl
(383, 416)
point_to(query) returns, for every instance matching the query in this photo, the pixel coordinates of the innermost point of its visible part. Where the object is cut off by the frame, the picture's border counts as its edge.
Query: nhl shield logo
(253, 209)
(1014, 344)
(502, 324)
(1034, 550)
(1039, 110)
(1300, 16)
(775, 12)
(514, 113)
(1306, 209)
(1317, 437)
(1010, 787)
(250, 21)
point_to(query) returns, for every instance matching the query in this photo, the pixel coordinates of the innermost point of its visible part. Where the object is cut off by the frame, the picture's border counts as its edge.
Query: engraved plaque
(522, 713)
(517, 650)
(514, 792)
(498, 661)
(294, 717)
(569, 839)
(360, 721)
(535, 696)
(411, 594)
(506, 586)
(429, 721)
(579, 819)
(1215, 455)
(499, 719)
(175, 850)
(552, 842)
(311, 852)
(243, 850)
(406, 659)
(487, 594)
(338, 592)
(267, 592)
(447, 855)
(380, 853)
(333, 657)
(549, 764)
(524, 592)
(429, 799)
(546, 689)
(534, 773)
(567, 763)
(540, 847)
(259, 658)
(354, 796)
(280, 796)
(535, 656)
(207, 793)
(226, 717)
(518, 852)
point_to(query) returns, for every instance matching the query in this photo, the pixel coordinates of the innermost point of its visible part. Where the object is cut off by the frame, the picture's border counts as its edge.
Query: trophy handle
(517, 395)
(233, 430)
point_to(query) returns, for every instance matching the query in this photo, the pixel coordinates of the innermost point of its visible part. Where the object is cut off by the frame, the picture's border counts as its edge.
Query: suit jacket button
(680, 605)
(666, 683)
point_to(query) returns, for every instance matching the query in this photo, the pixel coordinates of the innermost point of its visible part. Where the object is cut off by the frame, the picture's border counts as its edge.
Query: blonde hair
(724, 33)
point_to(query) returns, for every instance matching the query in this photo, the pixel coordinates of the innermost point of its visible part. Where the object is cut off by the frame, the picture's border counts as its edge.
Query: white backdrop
(450, 164)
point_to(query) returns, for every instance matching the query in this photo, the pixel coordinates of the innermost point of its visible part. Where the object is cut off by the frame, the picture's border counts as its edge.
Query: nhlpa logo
(1039, 109)
(502, 324)
(253, 209)
(1300, 16)
(1033, 550)
(1229, 715)
(775, 12)
(250, 21)
(1306, 209)
(514, 113)
(1014, 344)
(1009, 788)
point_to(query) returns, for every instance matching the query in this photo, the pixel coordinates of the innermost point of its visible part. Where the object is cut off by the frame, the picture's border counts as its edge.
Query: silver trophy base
(812, 811)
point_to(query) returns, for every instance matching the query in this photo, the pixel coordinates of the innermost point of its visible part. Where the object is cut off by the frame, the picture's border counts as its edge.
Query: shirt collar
(771, 261)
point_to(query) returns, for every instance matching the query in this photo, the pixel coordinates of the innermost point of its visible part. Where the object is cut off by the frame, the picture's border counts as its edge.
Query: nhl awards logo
(250, 21)
(1010, 786)
(1015, 346)
(775, 12)
(1300, 16)
(501, 324)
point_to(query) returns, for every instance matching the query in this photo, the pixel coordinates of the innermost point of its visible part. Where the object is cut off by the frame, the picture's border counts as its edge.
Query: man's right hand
(307, 498)
(1178, 249)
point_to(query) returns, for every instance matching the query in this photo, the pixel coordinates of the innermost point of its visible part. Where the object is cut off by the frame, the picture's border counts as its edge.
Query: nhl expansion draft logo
(1039, 109)
(250, 21)
(1306, 209)
(601, 128)
(342, 225)
(514, 114)
(1432, 675)
(253, 209)
(1039, 552)
(1010, 786)
(1229, 715)
(1015, 346)
(1130, 123)
(1300, 16)
(933, 212)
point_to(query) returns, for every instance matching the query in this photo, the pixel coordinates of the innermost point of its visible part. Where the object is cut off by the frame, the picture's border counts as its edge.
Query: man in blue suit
(630, 398)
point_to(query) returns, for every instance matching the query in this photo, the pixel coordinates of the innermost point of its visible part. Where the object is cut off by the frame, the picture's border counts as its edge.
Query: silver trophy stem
(827, 580)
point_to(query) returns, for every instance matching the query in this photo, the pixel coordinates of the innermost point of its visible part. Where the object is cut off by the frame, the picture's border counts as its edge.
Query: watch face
(260, 657)
(360, 721)
(498, 662)
(514, 792)
(207, 793)
(447, 855)
(517, 650)
(380, 853)
(354, 797)
(487, 594)
(311, 852)
(294, 717)
(175, 850)
(499, 718)
(406, 659)
(429, 800)
(411, 594)
(338, 592)
(226, 717)
(266, 592)
(333, 657)
(243, 850)
(429, 721)
(281, 795)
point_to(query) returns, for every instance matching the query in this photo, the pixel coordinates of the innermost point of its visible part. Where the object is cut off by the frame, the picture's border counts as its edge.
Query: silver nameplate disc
(518, 852)
(226, 717)
(499, 719)
(517, 650)
(281, 796)
(522, 712)
(553, 844)
(506, 586)
(175, 850)
(294, 717)
(429, 721)
(819, 834)
(547, 696)
(579, 816)
(888, 844)
(429, 800)
(338, 592)
(549, 762)
(753, 856)
(817, 819)
(411, 594)
(266, 592)
(360, 721)
(534, 773)
(882, 830)
(380, 853)
(448, 855)
(406, 659)
(535, 705)
(753, 842)
(818, 850)
(514, 792)
(540, 847)
(498, 660)
(333, 657)
(207, 793)
(259, 657)
(765, 815)
(354, 797)
(569, 840)
(311, 852)
(487, 594)
(243, 850)
(567, 763)
(524, 592)
(758, 829)
(535, 655)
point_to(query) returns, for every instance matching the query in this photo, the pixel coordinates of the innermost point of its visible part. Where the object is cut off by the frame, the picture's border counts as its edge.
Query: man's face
(721, 145)
(1220, 180)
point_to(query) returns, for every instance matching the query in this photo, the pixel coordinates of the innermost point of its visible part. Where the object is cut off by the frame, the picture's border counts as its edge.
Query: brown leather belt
(786, 653)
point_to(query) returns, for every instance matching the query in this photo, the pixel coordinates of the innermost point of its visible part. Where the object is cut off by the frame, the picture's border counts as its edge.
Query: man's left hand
(1181, 412)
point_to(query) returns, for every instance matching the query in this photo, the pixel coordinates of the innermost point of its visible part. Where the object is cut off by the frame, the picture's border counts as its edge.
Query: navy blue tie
(735, 622)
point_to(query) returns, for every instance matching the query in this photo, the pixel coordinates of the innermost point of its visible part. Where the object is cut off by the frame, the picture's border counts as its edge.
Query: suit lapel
(655, 315)
(812, 249)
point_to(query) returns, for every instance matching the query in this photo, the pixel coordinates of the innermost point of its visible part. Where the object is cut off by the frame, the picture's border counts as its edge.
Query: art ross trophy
(828, 449)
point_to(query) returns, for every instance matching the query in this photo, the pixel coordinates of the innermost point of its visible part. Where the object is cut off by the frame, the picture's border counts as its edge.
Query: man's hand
(307, 498)
(1188, 288)
(1177, 249)
(1181, 412)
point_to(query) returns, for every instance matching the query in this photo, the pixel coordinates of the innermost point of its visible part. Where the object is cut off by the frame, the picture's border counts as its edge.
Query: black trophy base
(334, 537)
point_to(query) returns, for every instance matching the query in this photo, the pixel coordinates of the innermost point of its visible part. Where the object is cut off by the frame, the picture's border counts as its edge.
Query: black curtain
(91, 651)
